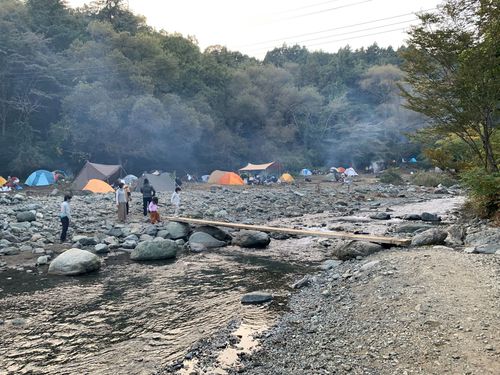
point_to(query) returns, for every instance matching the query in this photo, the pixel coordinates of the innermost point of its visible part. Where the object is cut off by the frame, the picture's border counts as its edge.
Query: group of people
(123, 197)
(12, 183)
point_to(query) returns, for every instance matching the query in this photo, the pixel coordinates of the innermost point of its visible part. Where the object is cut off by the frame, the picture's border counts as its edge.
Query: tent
(3, 181)
(40, 178)
(215, 176)
(333, 169)
(161, 182)
(350, 172)
(413, 160)
(261, 168)
(286, 177)
(105, 172)
(341, 169)
(305, 172)
(98, 186)
(130, 179)
(231, 178)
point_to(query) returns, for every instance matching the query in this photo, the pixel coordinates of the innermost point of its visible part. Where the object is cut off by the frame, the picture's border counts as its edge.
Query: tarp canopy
(305, 172)
(161, 182)
(105, 172)
(3, 181)
(286, 177)
(231, 178)
(40, 178)
(260, 167)
(98, 186)
(215, 176)
(350, 172)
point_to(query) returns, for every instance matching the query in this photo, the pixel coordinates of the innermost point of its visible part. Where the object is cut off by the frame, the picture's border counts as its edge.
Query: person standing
(154, 215)
(176, 200)
(65, 217)
(129, 196)
(121, 202)
(148, 192)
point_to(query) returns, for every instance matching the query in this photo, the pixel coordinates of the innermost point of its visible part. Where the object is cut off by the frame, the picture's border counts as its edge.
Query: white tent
(350, 172)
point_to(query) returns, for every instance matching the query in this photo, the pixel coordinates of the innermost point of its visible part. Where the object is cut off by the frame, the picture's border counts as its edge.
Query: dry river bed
(417, 310)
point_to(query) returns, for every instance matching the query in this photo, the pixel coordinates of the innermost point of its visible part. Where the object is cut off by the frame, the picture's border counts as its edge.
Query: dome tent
(98, 186)
(286, 177)
(305, 172)
(40, 178)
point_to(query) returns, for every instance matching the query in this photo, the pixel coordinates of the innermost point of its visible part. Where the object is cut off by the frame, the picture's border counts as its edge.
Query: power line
(351, 32)
(335, 28)
(327, 10)
(310, 6)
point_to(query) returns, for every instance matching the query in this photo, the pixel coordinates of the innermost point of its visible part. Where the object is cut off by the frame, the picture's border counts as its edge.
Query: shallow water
(132, 317)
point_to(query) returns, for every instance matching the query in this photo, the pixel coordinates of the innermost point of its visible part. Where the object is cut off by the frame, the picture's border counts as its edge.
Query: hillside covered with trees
(98, 83)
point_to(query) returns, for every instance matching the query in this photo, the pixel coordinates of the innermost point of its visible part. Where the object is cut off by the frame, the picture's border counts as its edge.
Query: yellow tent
(98, 186)
(3, 181)
(286, 177)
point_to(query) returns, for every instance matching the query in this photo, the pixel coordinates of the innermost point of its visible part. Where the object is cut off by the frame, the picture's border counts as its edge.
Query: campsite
(280, 187)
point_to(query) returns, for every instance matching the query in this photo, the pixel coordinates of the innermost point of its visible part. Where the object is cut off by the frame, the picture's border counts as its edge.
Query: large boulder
(85, 240)
(251, 239)
(215, 232)
(204, 240)
(178, 230)
(25, 216)
(155, 250)
(74, 262)
(432, 236)
(354, 249)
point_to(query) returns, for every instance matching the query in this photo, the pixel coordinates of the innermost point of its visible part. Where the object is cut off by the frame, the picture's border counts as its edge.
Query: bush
(484, 190)
(391, 176)
(433, 179)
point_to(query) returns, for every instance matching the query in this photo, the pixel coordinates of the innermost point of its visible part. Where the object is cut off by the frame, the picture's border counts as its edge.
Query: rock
(354, 249)
(369, 265)
(74, 262)
(412, 217)
(9, 251)
(84, 240)
(131, 237)
(302, 282)
(484, 237)
(256, 298)
(483, 249)
(178, 230)
(151, 230)
(129, 244)
(330, 264)
(380, 216)
(115, 232)
(441, 190)
(456, 235)
(25, 216)
(412, 228)
(215, 232)
(432, 236)
(155, 250)
(251, 239)
(206, 240)
(101, 248)
(163, 234)
(44, 259)
(426, 216)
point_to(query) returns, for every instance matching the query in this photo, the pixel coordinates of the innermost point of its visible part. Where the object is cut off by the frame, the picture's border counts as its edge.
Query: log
(300, 232)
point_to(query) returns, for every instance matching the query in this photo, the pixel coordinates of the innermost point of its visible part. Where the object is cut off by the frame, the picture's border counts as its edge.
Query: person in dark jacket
(148, 192)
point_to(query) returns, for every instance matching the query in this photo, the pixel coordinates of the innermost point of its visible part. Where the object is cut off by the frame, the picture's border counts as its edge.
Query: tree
(453, 67)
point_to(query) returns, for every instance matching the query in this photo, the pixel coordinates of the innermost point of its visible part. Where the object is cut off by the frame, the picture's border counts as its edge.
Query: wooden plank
(301, 232)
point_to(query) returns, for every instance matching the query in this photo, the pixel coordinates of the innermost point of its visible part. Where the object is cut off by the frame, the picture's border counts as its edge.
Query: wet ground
(135, 316)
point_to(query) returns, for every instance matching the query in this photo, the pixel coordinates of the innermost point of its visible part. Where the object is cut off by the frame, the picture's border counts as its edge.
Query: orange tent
(341, 169)
(230, 178)
(3, 181)
(98, 186)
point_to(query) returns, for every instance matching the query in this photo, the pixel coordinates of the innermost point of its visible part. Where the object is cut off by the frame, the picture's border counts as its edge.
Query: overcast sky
(254, 27)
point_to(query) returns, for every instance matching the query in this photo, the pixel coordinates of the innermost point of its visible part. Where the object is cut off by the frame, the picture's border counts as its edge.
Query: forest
(97, 83)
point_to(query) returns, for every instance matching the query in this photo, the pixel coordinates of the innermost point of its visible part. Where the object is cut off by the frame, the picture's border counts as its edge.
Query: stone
(456, 235)
(178, 230)
(115, 232)
(155, 250)
(426, 216)
(84, 240)
(206, 240)
(412, 228)
(380, 216)
(215, 232)
(129, 244)
(441, 190)
(25, 216)
(251, 239)
(368, 266)
(484, 237)
(44, 259)
(9, 251)
(74, 262)
(354, 249)
(432, 236)
(101, 248)
(302, 282)
(330, 264)
(412, 217)
(151, 230)
(256, 298)
(163, 233)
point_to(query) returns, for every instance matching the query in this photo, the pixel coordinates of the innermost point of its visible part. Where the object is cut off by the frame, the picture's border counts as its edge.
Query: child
(154, 215)
(176, 200)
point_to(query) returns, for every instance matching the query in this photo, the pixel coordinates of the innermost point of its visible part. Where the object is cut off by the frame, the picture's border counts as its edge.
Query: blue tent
(305, 172)
(413, 160)
(40, 178)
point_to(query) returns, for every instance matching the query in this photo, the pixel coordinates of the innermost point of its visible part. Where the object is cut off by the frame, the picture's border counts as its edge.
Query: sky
(254, 27)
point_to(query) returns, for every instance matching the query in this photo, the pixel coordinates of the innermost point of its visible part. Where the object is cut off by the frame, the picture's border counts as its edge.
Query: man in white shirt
(121, 202)
(65, 216)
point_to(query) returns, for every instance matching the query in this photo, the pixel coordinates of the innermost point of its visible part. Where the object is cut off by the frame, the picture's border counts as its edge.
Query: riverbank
(185, 316)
